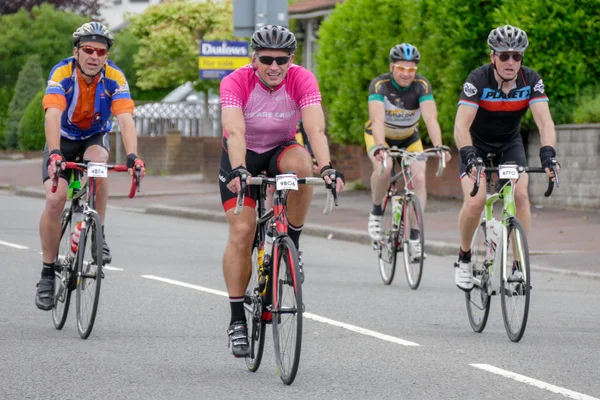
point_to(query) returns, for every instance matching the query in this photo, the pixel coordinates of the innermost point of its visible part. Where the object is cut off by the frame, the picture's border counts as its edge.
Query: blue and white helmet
(405, 52)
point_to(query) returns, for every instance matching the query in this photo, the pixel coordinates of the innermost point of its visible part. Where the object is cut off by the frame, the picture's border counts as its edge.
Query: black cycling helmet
(93, 31)
(274, 37)
(405, 52)
(507, 38)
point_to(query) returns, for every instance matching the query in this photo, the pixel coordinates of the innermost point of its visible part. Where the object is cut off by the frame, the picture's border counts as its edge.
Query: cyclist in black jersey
(494, 99)
(396, 101)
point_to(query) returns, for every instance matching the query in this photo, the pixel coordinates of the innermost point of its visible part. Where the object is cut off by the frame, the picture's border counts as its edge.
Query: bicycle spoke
(387, 246)
(516, 282)
(413, 241)
(62, 279)
(478, 300)
(253, 307)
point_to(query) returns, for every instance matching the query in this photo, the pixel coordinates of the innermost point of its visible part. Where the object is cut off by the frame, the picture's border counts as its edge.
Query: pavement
(561, 241)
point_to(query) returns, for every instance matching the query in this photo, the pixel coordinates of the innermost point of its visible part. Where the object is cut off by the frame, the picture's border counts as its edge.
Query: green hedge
(29, 83)
(451, 35)
(31, 127)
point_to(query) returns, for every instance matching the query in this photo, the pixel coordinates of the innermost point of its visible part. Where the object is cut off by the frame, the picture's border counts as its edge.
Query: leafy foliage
(169, 35)
(90, 8)
(31, 127)
(29, 83)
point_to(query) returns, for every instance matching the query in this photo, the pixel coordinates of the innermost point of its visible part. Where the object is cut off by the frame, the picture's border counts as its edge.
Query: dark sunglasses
(90, 50)
(268, 60)
(515, 56)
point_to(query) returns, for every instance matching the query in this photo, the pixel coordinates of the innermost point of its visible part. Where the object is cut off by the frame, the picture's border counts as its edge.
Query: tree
(91, 8)
(29, 83)
(31, 128)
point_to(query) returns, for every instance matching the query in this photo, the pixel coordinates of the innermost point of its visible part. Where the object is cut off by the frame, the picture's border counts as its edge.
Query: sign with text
(222, 57)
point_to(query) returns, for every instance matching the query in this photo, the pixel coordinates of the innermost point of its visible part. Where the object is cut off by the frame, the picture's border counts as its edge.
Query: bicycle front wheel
(478, 299)
(253, 308)
(388, 245)
(63, 274)
(516, 281)
(287, 308)
(413, 243)
(89, 274)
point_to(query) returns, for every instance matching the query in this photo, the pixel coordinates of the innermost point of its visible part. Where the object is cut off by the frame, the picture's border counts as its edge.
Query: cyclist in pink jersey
(261, 106)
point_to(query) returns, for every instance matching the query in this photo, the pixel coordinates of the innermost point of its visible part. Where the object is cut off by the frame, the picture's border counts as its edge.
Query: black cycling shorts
(72, 149)
(513, 151)
(255, 164)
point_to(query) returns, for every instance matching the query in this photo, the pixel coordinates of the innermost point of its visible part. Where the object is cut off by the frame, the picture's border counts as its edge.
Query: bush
(587, 109)
(451, 37)
(6, 95)
(31, 127)
(29, 83)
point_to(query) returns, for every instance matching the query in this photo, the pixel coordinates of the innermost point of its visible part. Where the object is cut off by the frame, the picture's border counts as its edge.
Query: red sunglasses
(90, 50)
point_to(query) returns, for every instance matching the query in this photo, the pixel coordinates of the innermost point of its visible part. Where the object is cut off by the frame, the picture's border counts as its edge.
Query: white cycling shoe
(463, 272)
(374, 227)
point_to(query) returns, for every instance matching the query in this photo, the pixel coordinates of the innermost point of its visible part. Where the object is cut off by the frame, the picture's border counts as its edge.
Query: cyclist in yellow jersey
(396, 101)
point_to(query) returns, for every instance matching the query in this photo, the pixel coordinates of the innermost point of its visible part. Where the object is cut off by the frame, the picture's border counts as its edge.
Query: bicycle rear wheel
(516, 281)
(287, 308)
(413, 242)
(253, 307)
(478, 300)
(89, 274)
(387, 247)
(63, 274)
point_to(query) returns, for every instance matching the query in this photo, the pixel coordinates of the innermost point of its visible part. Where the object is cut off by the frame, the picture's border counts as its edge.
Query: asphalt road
(157, 339)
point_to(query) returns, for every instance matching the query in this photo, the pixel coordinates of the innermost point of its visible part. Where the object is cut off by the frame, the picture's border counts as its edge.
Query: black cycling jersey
(402, 111)
(498, 118)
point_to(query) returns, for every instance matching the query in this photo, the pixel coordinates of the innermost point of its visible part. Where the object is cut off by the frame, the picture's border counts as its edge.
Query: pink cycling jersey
(271, 115)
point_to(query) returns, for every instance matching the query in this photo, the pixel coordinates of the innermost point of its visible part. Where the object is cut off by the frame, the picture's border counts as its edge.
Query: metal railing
(156, 119)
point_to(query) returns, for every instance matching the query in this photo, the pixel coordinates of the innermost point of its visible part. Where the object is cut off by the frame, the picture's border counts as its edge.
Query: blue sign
(220, 58)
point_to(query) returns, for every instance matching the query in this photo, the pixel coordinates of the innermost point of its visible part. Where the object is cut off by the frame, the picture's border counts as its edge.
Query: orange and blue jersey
(87, 109)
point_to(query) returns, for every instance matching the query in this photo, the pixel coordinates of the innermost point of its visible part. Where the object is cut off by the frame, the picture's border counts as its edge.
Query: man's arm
(462, 125)
(128, 132)
(377, 117)
(52, 128)
(313, 121)
(429, 112)
(543, 119)
(232, 120)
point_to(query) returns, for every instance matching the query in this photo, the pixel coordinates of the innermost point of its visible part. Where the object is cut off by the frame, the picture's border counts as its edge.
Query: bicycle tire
(387, 247)
(63, 277)
(253, 308)
(516, 289)
(478, 300)
(413, 263)
(89, 274)
(285, 250)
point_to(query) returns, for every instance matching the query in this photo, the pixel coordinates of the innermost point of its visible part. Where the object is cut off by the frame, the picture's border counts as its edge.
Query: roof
(304, 6)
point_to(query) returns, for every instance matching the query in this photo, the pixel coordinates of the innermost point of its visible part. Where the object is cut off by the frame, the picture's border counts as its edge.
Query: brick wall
(577, 150)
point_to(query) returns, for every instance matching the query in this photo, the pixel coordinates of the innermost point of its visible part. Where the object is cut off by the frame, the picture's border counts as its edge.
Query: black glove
(328, 170)
(237, 172)
(547, 156)
(468, 155)
(55, 155)
(133, 160)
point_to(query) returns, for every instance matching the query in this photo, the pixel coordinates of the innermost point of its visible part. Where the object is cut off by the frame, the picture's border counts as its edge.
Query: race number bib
(286, 181)
(508, 172)
(97, 170)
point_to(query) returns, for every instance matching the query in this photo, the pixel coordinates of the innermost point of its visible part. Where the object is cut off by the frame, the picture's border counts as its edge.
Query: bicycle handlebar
(521, 170)
(433, 151)
(135, 179)
(329, 202)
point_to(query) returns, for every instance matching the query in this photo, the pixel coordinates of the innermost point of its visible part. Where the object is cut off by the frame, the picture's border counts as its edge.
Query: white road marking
(14, 245)
(314, 317)
(108, 267)
(534, 382)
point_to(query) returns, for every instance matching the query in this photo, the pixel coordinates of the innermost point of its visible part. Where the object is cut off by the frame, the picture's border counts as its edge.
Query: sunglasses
(505, 56)
(90, 50)
(405, 69)
(268, 60)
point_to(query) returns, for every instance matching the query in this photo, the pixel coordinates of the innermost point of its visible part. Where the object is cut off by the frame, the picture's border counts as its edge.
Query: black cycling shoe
(44, 296)
(106, 256)
(238, 339)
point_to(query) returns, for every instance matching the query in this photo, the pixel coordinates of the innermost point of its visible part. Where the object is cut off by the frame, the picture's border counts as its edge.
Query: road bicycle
(79, 264)
(403, 226)
(274, 293)
(500, 254)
